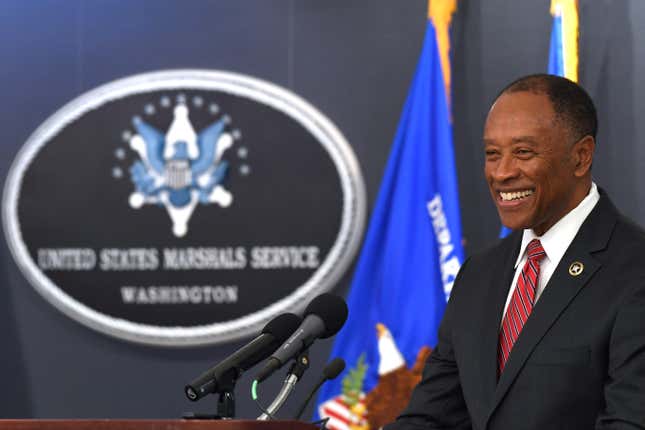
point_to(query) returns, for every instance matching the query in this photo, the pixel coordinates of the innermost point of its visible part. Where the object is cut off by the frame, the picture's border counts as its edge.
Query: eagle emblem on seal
(180, 169)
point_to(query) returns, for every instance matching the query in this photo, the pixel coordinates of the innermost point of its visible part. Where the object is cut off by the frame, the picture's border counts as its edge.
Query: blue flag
(505, 231)
(556, 49)
(412, 251)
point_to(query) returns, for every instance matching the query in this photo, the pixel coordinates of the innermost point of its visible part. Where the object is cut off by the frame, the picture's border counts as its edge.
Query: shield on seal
(178, 174)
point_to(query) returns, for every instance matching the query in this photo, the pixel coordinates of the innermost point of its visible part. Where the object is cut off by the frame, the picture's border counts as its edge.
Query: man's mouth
(515, 195)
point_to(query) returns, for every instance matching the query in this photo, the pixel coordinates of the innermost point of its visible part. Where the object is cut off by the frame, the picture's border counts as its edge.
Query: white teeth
(515, 195)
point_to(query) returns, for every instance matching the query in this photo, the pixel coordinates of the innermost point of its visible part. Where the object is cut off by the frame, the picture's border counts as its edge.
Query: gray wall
(354, 60)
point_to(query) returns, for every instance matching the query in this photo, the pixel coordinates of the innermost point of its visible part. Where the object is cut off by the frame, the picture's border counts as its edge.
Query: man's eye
(524, 152)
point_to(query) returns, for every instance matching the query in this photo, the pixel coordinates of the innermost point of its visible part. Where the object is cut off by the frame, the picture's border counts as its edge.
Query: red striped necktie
(521, 304)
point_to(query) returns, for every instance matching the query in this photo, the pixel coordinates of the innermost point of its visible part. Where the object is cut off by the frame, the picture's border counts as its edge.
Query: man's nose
(506, 169)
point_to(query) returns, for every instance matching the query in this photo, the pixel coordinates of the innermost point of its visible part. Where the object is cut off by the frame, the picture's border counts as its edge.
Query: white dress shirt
(555, 243)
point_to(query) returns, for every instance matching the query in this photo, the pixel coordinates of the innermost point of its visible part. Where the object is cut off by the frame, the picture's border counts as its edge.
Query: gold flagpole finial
(440, 13)
(567, 10)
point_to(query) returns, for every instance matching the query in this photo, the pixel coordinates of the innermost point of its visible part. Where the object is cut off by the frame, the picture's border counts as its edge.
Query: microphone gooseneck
(295, 373)
(331, 371)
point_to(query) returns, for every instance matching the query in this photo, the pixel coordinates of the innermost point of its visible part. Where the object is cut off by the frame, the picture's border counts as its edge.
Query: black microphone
(273, 334)
(324, 316)
(331, 371)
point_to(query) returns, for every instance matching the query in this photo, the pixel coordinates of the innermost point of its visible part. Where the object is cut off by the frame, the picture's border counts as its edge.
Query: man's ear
(582, 153)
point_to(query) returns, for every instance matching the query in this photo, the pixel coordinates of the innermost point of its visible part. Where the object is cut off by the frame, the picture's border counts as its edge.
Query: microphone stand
(225, 401)
(295, 373)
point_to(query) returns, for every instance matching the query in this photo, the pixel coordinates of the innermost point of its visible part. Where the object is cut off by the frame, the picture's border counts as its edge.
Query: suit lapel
(560, 292)
(563, 287)
(497, 294)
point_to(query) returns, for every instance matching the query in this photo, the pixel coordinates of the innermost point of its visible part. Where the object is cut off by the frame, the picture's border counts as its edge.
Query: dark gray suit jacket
(579, 362)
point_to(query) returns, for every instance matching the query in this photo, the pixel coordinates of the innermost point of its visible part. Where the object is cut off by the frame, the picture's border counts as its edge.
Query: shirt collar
(558, 238)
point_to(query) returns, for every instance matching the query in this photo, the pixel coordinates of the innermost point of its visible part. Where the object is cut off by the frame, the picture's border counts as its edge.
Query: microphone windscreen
(282, 326)
(331, 309)
(334, 368)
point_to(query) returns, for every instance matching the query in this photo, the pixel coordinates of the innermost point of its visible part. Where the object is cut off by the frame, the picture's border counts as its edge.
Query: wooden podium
(154, 425)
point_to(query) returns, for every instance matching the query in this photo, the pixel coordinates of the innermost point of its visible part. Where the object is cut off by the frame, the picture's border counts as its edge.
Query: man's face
(530, 166)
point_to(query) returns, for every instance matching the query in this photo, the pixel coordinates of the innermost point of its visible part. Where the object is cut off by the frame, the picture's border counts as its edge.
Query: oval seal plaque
(184, 207)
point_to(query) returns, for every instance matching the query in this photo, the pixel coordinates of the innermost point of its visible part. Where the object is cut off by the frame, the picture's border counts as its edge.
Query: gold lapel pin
(576, 268)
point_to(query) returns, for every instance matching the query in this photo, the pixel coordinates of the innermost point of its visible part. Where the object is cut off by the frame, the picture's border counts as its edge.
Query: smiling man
(545, 330)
